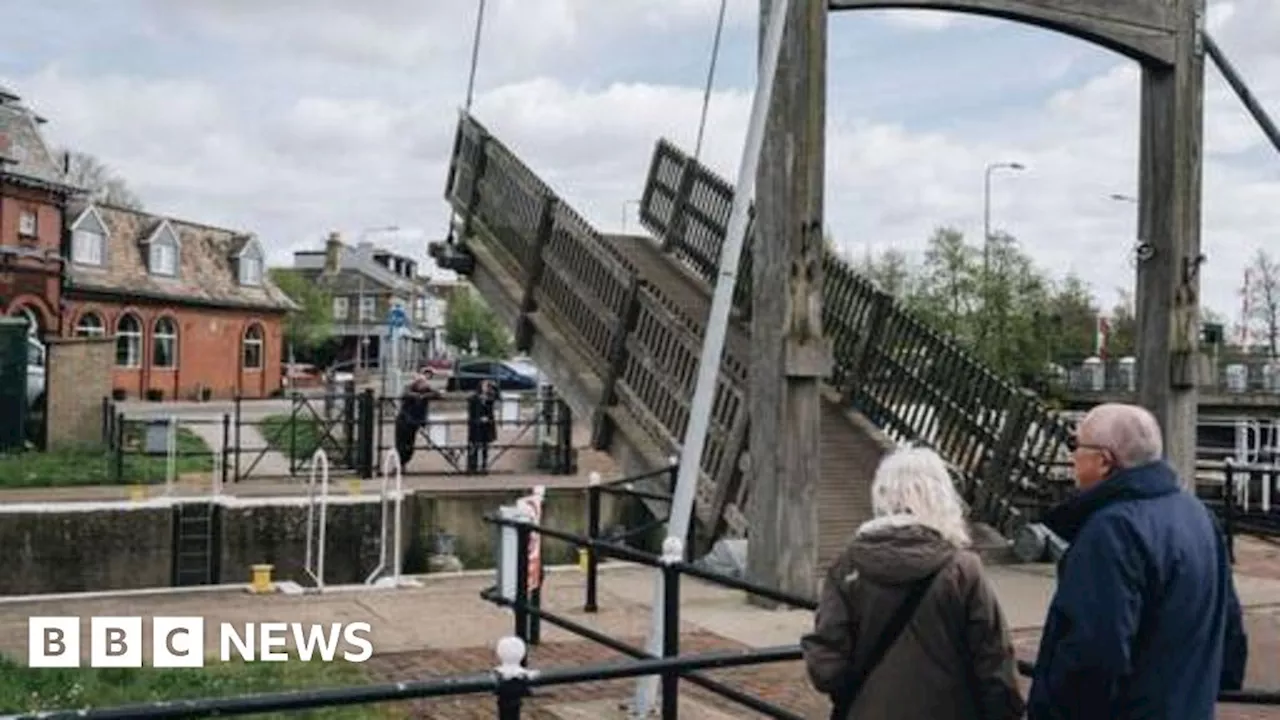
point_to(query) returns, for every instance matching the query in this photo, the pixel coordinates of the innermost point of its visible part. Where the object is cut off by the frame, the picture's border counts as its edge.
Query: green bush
(26, 690)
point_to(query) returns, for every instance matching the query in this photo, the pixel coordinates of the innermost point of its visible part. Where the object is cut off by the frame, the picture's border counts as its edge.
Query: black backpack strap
(843, 701)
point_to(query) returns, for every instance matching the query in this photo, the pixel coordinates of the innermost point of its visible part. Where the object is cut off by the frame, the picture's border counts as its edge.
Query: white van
(35, 375)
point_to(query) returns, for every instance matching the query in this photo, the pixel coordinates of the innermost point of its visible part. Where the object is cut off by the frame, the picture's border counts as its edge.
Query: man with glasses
(1145, 621)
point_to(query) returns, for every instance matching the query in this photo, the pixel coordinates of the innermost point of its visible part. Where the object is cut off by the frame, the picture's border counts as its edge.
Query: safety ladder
(194, 548)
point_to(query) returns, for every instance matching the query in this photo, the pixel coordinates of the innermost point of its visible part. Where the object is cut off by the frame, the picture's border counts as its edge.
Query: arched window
(89, 325)
(164, 343)
(129, 341)
(253, 347)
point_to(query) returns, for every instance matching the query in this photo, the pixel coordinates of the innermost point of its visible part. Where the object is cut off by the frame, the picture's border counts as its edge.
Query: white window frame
(246, 341)
(88, 247)
(368, 307)
(157, 256)
(28, 223)
(341, 308)
(96, 330)
(251, 269)
(133, 338)
(171, 338)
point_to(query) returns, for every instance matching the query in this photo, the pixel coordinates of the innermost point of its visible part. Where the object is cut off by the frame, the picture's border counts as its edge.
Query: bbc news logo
(178, 642)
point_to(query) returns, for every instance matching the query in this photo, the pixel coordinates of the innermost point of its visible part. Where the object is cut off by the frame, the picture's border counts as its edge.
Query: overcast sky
(292, 118)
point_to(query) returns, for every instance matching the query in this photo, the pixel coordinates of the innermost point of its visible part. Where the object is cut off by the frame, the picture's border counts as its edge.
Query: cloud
(342, 117)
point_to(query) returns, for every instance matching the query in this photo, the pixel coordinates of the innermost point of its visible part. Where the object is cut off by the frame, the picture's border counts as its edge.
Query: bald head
(1128, 431)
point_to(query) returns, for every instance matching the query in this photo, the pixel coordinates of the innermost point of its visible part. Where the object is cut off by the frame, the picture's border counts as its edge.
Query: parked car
(35, 390)
(35, 372)
(467, 375)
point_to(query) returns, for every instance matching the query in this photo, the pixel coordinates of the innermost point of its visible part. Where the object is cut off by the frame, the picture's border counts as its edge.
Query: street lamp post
(986, 211)
(986, 239)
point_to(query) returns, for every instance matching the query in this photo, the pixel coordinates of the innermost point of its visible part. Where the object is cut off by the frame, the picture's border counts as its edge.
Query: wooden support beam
(1169, 259)
(601, 424)
(790, 356)
(535, 264)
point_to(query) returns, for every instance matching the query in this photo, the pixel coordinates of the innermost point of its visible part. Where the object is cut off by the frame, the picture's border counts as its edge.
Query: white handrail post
(390, 462)
(395, 525)
(171, 456)
(320, 463)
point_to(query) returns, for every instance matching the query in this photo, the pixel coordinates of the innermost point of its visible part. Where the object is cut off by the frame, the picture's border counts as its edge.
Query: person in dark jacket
(412, 416)
(481, 428)
(1145, 622)
(954, 659)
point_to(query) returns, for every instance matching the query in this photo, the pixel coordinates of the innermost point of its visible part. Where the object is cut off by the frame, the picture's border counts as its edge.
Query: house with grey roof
(367, 284)
(192, 310)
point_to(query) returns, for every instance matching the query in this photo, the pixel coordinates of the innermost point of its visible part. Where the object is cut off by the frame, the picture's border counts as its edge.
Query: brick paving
(782, 683)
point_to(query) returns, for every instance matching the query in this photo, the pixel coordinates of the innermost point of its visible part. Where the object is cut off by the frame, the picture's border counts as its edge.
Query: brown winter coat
(953, 661)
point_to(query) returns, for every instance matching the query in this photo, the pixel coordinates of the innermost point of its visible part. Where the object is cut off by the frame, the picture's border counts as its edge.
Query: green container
(13, 383)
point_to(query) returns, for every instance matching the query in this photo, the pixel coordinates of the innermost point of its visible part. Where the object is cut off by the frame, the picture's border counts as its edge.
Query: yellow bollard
(355, 487)
(137, 493)
(582, 559)
(261, 579)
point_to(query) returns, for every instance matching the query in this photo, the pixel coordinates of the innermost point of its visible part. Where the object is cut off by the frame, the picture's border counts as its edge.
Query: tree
(1123, 340)
(1071, 323)
(103, 184)
(307, 329)
(468, 317)
(1264, 300)
(947, 290)
(891, 272)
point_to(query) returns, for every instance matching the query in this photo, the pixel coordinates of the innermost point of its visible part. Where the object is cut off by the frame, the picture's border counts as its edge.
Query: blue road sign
(397, 318)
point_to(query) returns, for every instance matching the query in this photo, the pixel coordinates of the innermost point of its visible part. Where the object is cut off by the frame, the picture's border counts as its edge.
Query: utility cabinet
(13, 383)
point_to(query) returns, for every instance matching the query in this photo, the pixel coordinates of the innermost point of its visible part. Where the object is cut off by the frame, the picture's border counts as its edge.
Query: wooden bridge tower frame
(1166, 38)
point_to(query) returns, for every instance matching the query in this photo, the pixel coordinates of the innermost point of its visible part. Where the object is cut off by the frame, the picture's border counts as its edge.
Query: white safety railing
(390, 464)
(171, 456)
(314, 561)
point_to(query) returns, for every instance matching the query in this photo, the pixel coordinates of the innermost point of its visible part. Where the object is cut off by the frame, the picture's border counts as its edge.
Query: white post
(171, 456)
(320, 464)
(395, 526)
(390, 458)
(717, 326)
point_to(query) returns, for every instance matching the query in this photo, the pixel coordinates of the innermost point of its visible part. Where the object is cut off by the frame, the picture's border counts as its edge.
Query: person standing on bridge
(1145, 621)
(908, 626)
(481, 428)
(412, 416)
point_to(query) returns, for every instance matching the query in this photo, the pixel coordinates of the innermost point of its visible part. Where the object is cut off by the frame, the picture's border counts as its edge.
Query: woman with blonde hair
(907, 625)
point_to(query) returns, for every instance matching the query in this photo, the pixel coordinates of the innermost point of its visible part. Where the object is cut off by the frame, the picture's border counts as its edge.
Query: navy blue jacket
(1145, 622)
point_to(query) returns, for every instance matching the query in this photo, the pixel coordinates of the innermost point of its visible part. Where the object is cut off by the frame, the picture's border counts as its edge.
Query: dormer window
(162, 251)
(250, 270)
(89, 239)
(164, 259)
(250, 265)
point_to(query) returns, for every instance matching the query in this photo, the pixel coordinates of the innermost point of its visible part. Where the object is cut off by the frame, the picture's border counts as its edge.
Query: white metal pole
(717, 327)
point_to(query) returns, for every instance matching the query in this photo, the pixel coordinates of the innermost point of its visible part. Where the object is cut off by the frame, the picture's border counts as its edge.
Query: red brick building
(191, 307)
(33, 192)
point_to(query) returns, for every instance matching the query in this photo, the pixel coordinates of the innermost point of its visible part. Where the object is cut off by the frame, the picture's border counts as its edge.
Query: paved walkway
(13, 499)
(443, 628)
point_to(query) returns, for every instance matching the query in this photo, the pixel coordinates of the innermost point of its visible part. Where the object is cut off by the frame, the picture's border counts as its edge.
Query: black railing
(275, 438)
(622, 487)
(528, 612)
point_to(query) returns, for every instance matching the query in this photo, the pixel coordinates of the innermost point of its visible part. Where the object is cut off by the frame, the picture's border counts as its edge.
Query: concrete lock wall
(104, 549)
(60, 549)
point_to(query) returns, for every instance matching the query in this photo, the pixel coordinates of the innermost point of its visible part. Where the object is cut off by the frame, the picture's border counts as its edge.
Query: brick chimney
(332, 253)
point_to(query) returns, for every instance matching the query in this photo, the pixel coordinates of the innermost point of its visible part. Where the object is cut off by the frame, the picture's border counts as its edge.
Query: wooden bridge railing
(643, 346)
(910, 380)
